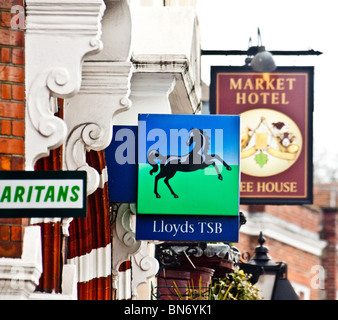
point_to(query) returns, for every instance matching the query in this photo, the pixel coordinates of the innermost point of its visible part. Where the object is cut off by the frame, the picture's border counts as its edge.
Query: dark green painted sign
(43, 194)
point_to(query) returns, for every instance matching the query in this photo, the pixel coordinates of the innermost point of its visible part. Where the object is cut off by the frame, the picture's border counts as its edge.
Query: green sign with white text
(43, 194)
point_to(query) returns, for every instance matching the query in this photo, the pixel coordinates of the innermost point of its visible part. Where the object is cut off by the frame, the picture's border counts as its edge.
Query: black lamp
(262, 60)
(268, 276)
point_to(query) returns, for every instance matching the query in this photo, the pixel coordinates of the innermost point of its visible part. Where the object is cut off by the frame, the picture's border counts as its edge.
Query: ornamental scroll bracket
(124, 242)
(104, 93)
(144, 267)
(89, 115)
(59, 34)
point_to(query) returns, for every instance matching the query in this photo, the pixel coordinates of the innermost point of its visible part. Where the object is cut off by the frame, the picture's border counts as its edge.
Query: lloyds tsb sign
(43, 194)
(188, 177)
(182, 171)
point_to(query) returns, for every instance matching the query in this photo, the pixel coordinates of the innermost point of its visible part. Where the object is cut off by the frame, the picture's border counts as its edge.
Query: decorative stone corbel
(89, 115)
(69, 286)
(172, 48)
(144, 267)
(19, 277)
(58, 36)
(124, 242)
(104, 93)
(149, 94)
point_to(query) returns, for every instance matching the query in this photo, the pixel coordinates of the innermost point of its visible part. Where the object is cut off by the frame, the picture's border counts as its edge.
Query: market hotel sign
(276, 130)
(43, 194)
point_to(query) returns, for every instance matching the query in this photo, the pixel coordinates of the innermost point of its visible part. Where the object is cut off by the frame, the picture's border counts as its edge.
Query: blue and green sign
(121, 160)
(188, 177)
(188, 164)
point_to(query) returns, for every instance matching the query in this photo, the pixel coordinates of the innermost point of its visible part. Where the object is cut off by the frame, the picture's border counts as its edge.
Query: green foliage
(261, 159)
(192, 292)
(235, 286)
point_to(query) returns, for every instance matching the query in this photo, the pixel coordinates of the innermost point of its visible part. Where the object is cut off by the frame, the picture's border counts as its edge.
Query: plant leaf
(261, 159)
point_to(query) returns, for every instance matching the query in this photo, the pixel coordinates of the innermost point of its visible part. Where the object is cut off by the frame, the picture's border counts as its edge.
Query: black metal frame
(254, 50)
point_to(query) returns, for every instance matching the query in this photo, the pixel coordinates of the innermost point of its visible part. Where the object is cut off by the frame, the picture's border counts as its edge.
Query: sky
(284, 25)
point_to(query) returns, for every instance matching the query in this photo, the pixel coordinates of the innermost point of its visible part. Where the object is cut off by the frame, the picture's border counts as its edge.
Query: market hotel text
(268, 84)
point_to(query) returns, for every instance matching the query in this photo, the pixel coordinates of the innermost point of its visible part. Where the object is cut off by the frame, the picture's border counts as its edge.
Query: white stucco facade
(109, 60)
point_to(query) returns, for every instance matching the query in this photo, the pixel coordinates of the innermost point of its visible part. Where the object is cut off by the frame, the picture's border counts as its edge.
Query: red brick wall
(12, 118)
(326, 195)
(300, 263)
(306, 217)
(330, 259)
(305, 268)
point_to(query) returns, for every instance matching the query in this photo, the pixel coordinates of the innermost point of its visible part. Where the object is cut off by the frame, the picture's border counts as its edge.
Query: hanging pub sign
(43, 194)
(276, 130)
(188, 177)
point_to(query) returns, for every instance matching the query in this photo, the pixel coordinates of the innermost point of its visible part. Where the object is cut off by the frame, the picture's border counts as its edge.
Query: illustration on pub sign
(270, 142)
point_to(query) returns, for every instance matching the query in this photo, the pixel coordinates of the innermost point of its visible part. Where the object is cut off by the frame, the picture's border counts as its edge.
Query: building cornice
(179, 66)
(283, 231)
(53, 17)
(90, 114)
(59, 34)
(166, 40)
(104, 93)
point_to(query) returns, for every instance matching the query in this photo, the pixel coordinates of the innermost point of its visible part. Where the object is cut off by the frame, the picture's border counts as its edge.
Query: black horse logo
(196, 159)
